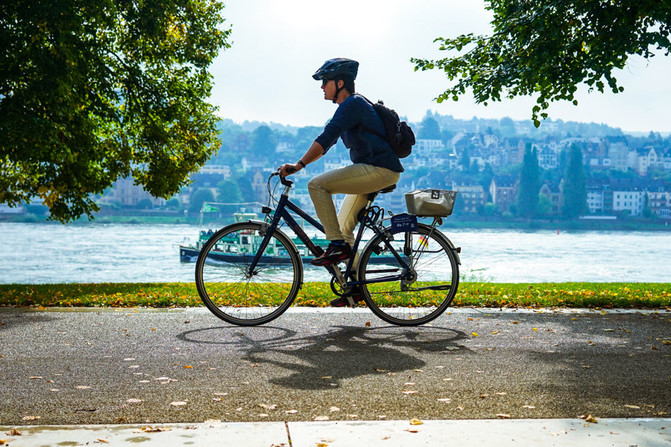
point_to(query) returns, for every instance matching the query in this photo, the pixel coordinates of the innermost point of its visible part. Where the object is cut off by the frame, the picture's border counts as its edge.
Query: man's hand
(289, 168)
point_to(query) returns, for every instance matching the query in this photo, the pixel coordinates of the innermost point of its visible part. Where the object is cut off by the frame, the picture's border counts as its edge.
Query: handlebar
(285, 181)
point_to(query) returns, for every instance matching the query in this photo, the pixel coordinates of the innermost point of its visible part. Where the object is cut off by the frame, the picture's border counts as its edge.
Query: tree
(548, 48)
(465, 160)
(530, 184)
(229, 191)
(102, 90)
(575, 185)
(429, 129)
(198, 197)
(264, 142)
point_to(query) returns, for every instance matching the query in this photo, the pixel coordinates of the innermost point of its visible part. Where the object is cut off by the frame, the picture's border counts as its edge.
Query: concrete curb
(464, 433)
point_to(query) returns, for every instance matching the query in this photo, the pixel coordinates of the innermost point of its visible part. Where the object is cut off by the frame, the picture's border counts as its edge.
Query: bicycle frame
(282, 211)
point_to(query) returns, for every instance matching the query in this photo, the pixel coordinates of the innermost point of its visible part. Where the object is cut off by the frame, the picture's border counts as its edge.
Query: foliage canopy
(547, 48)
(95, 90)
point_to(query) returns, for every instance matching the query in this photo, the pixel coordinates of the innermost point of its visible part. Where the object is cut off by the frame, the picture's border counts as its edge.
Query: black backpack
(398, 133)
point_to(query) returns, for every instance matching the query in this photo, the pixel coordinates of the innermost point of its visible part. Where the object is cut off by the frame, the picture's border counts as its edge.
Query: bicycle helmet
(338, 68)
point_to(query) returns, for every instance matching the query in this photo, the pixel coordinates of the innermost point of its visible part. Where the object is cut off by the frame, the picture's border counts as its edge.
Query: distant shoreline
(490, 223)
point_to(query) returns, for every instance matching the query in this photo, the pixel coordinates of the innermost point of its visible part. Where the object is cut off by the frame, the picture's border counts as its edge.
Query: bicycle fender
(455, 250)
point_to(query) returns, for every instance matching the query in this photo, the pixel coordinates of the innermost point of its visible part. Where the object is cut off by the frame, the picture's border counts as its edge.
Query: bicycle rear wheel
(430, 287)
(237, 296)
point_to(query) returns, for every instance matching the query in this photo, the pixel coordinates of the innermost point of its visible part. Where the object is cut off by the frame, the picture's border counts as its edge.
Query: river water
(94, 253)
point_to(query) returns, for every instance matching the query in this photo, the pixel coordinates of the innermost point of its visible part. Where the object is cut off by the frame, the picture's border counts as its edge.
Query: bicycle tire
(425, 296)
(236, 297)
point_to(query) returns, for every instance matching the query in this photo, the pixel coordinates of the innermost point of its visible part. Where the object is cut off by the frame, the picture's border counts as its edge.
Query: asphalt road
(150, 366)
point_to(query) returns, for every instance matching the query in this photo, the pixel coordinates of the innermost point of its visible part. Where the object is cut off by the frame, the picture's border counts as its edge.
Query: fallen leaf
(445, 399)
(334, 409)
(187, 367)
(415, 421)
(635, 407)
(503, 416)
(321, 418)
(155, 429)
(381, 370)
(134, 401)
(408, 392)
(178, 403)
(475, 334)
(14, 432)
(291, 411)
(102, 440)
(589, 418)
(530, 407)
(83, 387)
(30, 418)
(267, 407)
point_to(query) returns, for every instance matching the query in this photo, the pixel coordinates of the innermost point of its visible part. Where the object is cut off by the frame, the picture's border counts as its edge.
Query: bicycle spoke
(429, 289)
(231, 291)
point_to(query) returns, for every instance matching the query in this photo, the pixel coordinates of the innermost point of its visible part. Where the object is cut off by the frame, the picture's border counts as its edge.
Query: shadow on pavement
(324, 360)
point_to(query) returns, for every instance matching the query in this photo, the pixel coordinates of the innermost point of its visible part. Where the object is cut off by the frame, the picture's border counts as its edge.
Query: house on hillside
(628, 196)
(472, 197)
(554, 195)
(126, 193)
(547, 158)
(647, 158)
(503, 190)
(619, 155)
(598, 191)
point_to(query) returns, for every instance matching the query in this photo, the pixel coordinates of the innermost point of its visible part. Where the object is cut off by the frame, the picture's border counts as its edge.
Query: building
(554, 195)
(126, 193)
(628, 196)
(472, 196)
(503, 190)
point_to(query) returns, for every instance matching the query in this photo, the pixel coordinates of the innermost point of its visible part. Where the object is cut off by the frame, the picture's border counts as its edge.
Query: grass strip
(478, 294)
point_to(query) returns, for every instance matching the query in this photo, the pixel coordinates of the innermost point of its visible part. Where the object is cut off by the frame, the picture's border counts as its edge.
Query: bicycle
(249, 273)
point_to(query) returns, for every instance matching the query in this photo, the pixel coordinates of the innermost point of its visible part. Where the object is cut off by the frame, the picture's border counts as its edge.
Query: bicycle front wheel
(237, 294)
(425, 292)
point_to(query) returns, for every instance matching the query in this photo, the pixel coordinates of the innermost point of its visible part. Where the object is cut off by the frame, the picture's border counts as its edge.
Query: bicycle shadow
(326, 360)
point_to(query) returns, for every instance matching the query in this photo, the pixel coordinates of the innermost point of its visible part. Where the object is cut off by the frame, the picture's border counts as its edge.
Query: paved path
(153, 366)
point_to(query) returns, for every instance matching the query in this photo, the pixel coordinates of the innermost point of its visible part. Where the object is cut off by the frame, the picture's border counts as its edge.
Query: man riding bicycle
(374, 163)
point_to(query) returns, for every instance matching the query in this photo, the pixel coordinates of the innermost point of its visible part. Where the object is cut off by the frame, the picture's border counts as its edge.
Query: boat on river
(234, 247)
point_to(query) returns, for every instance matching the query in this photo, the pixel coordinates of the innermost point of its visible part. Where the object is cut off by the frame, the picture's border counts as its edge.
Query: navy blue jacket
(352, 116)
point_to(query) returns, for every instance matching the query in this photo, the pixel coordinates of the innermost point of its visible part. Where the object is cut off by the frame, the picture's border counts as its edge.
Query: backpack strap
(368, 129)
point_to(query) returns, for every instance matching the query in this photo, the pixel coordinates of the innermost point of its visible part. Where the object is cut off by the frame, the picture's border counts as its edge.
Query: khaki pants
(356, 181)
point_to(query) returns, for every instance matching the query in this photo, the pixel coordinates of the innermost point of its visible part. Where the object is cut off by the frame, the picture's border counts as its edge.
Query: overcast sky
(277, 45)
